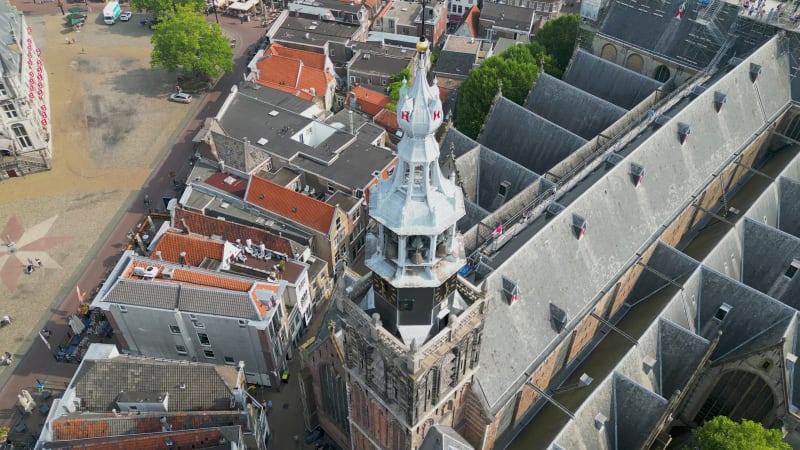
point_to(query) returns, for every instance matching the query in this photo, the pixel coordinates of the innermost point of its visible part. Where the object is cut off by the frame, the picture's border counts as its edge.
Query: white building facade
(25, 138)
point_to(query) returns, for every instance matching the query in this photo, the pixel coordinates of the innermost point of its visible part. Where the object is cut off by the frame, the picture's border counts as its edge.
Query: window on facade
(174, 329)
(332, 52)
(338, 223)
(9, 109)
(208, 354)
(181, 350)
(198, 324)
(3, 90)
(230, 361)
(22, 136)
(203, 339)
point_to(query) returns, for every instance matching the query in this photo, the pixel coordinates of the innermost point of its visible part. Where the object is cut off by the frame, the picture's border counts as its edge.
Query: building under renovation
(616, 287)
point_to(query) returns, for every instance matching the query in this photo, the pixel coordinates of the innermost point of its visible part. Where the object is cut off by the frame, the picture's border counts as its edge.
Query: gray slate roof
(517, 337)
(99, 383)
(482, 170)
(571, 108)
(454, 65)
(508, 16)
(653, 26)
(238, 154)
(789, 218)
(616, 84)
(536, 144)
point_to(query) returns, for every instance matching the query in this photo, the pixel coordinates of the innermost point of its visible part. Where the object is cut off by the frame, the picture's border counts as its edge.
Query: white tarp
(76, 325)
(243, 6)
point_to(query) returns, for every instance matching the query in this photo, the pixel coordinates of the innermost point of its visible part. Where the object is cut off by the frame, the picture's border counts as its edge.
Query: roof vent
(183, 258)
(648, 363)
(755, 72)
(613, 159)
(722, 312)
(168, 273)
(558, 318)
(262, 141)
(637, 174)
(600, 421)
(229, 180)
(553, 209)
(182, 386)
(273, 113)
(684, 130)
(662, 119)
(719, 101)
(510, 291)
(579, 225)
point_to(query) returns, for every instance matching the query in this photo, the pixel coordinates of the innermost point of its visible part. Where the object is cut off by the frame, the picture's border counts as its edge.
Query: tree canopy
(186, 41)
(395, 85)
(163, 8)
(721, 433)
(558, 37)
(517, 69)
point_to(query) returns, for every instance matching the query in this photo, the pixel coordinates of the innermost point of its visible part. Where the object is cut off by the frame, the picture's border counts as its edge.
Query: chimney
(350, 114)
(158, 255)
(183, 258)
(221, 165)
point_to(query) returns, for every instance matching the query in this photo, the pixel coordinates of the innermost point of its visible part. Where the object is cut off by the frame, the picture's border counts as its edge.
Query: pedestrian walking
(39, 262)
(7, 320)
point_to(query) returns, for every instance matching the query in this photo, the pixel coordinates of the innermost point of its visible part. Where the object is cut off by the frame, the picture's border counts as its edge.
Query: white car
(126, 16)
(181, 98)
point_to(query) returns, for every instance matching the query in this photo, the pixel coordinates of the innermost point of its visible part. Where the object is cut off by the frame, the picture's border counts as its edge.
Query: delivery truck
(111, 12)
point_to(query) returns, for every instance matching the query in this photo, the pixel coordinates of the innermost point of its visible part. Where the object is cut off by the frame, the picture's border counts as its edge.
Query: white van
(111, 12)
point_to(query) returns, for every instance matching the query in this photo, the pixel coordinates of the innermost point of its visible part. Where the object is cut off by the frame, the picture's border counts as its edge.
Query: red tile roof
(385, 8)
(294, 71)
(310, 59)
(292, 205)
(388, 120)
(371, 102)
(227, 183)
(191, 277)
(197, 248)
(76, 427)
(208, 226)
(207, 438)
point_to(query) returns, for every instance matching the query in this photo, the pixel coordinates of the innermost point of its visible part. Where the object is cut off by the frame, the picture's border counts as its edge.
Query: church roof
(616, 84)
(571, 108)
(554, 267)
(536, 143)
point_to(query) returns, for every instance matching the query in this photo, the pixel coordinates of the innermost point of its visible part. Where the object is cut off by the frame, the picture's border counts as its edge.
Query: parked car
(181, 98)
(126, 16)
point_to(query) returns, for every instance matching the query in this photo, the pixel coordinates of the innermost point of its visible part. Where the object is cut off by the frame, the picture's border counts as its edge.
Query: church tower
(413, 327)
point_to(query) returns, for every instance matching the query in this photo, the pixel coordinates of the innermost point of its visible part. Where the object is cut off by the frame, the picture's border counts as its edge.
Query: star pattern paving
(20, 247)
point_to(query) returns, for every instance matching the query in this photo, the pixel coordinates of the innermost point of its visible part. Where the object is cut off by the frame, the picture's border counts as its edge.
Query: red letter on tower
(437, 115)
(404, 115)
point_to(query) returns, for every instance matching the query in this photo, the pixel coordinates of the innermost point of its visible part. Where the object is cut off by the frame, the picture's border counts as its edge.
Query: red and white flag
(498, 230)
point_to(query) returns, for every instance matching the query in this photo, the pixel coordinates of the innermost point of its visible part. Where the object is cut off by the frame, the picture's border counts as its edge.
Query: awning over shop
(243, 6)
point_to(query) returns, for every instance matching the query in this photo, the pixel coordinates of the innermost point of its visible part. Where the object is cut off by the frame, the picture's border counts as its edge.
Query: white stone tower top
(417, 207)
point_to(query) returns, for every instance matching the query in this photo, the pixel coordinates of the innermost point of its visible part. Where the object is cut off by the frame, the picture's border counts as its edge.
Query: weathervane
(422, 46)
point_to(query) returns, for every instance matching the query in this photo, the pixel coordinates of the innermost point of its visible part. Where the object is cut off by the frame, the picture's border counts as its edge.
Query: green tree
(558, 37)
(164, 8)
(395, 85)
(721, 433)
(186, 41)
(516, 68)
